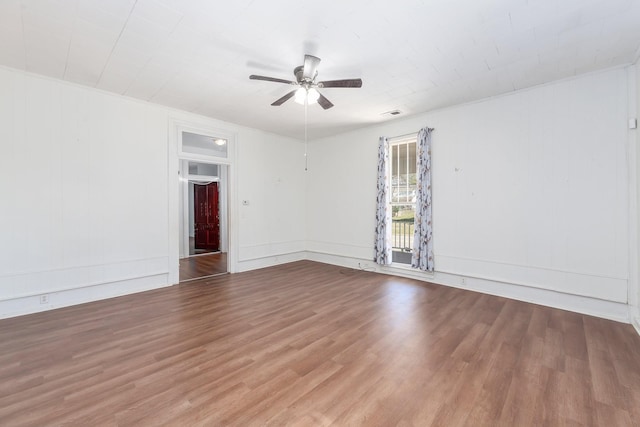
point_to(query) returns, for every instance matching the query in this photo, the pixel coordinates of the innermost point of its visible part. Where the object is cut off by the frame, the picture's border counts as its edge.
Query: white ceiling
(415, 56)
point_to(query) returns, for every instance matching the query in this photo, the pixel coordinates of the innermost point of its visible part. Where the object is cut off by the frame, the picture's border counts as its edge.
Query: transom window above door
(194, 143)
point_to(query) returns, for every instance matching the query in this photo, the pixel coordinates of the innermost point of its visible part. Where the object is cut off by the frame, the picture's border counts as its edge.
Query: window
(402, 156)
(193, 143)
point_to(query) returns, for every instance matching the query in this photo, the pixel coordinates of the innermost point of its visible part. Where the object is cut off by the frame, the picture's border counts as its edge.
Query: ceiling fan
(307, 85)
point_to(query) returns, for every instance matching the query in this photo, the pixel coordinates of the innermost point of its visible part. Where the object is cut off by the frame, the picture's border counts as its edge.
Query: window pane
(412, 158)
(402, 225)
(403, 198)
(402, 157)
(202, 144)
(392, 156)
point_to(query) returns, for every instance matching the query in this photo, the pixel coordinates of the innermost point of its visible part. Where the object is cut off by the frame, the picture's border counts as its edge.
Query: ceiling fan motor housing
(299, 73)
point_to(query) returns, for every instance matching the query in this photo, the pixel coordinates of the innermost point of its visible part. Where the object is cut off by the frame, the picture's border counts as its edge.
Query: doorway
(203, 240)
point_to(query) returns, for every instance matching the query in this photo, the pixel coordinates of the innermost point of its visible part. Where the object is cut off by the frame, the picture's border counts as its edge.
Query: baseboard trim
(616, 311)
(270, 261)
(64, 298)
(636, 324)
(634, 315)
(88, 285)
(611, 310)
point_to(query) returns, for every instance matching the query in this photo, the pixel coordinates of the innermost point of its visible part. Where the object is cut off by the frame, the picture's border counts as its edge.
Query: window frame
(402, 256)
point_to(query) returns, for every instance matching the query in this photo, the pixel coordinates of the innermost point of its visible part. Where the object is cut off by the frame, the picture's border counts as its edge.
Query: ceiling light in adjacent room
(220, 141)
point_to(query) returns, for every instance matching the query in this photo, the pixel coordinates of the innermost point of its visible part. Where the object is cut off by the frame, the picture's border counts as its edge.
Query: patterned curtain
(382, 244)
(422, 256)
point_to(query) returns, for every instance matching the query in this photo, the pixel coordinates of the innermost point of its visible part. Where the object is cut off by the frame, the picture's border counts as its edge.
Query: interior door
(200, 210)
(206, 217)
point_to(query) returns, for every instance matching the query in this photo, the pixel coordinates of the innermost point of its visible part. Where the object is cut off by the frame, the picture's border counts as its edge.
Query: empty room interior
(281, 213)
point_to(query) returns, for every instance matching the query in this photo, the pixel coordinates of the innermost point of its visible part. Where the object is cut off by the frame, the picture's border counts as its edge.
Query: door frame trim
(175, 155)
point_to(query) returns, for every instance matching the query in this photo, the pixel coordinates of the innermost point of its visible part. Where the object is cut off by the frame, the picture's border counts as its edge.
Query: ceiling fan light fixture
(306, 81)
(312, 96)
(300, 96)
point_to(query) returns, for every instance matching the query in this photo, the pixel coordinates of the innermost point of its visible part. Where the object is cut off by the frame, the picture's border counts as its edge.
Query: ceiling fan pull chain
(306, 104)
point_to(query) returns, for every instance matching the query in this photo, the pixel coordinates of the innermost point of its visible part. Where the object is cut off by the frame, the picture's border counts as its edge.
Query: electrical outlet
(44, 299)
(464, 282)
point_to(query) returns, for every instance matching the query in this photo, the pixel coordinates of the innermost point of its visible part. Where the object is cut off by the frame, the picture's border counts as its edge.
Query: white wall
(80, 220)
(76, 210)
(529, 189)
(272, 179)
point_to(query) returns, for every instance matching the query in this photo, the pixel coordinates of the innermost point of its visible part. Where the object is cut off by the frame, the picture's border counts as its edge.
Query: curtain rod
(408, 134)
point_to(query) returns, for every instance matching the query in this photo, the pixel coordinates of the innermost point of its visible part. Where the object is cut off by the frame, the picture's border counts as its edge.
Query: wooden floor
(199, 251)
(203, 265)
(309, 344)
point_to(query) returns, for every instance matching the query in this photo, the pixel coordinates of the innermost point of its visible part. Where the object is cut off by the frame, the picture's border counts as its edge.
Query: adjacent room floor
(310, 344)
(195, 267)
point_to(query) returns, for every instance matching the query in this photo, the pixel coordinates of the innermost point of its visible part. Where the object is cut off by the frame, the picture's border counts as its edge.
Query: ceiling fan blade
(341, 83)
(272, 79)
(324, 102)
(284, 99)
(310, 67)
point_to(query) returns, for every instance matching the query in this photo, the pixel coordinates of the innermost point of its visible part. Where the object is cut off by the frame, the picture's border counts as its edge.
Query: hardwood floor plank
(606, 386)
(490, 402)
(525, 393)
(310, 344)
(266, 412)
